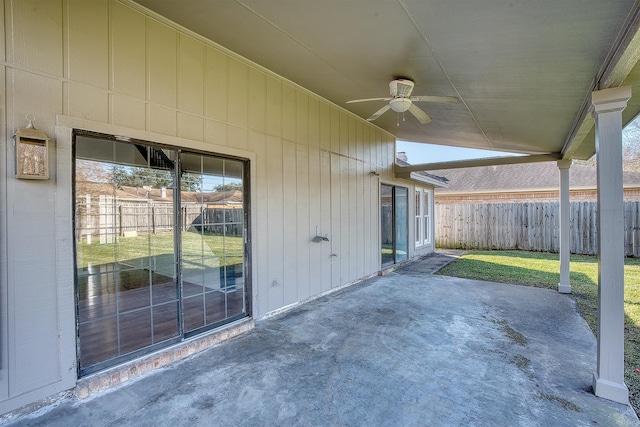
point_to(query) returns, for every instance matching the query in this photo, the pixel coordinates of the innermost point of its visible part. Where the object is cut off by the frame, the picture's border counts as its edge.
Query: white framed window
(419, 217)
(423, 198)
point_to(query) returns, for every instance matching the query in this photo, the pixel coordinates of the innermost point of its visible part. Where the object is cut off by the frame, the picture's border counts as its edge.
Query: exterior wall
(109, 66)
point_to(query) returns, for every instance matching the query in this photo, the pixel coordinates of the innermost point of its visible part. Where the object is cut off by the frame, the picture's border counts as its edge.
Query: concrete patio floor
(404, 349)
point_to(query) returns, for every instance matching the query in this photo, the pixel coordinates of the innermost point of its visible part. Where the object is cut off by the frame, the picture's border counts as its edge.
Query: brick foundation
(112, 377)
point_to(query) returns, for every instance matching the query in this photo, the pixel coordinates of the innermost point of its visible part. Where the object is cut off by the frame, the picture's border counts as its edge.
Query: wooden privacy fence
(528, 226)
(105, 217)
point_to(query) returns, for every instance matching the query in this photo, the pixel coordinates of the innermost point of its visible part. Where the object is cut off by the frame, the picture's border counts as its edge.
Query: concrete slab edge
(447, 262)
(135, 369)
(37, 407)
(401, 264)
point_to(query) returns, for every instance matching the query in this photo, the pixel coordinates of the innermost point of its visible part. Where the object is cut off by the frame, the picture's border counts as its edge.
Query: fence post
(120, 229)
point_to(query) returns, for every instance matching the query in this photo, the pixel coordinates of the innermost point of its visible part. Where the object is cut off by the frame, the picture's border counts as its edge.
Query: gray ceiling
(521, 68)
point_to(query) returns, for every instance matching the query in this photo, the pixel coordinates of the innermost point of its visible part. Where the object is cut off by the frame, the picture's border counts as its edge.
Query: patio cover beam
(404, 171)
(606, 109)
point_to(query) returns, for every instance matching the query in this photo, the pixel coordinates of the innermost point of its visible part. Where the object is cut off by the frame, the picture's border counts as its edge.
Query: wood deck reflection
(121, 311)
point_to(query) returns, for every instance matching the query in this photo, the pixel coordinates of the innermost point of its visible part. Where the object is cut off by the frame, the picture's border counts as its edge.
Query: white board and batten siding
(110, 66)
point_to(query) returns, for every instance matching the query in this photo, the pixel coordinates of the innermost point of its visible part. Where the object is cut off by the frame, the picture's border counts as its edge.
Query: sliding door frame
(177, 231)
(395, 224)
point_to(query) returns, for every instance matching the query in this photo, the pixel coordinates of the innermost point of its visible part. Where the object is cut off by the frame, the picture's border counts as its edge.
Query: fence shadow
(517, 275)
(585, 293)
(551, 256)
(585, 289)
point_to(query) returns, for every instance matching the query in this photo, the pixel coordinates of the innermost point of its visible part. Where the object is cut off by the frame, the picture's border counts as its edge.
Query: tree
(229, 187)
(89, 174)
(139, 177)
(91, 171)
(122, 176)
(190, 182)
(630, 148)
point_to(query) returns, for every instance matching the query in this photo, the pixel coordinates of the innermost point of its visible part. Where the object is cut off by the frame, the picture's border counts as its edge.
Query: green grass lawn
(542, 270)
(205, 247)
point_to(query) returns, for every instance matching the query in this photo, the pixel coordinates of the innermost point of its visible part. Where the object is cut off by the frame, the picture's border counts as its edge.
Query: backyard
(208, 249)
(542, 270)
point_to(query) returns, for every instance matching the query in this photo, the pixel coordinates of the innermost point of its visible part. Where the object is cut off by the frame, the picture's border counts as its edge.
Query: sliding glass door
(393, 224)
(212, 240)
(159, 240)
(401, 204)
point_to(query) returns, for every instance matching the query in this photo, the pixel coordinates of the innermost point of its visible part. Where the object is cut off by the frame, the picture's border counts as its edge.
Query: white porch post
(565, 237)
(606, 108)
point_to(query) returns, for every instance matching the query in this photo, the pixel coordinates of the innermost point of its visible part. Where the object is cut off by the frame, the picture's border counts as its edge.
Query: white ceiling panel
(522, 68)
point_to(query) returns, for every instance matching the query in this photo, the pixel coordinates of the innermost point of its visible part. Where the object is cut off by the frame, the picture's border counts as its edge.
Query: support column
(606, 108)
(565, 237)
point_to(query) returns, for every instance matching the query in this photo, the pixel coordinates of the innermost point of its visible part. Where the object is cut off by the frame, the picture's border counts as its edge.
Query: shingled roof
(124, 193)
(523, 177)
(401, 159)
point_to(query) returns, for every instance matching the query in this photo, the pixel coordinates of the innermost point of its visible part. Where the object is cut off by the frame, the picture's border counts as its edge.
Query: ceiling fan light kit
(400, 105)
(402, 101)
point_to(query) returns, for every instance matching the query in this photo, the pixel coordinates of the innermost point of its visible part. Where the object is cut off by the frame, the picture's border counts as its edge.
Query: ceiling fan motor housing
(401, 87)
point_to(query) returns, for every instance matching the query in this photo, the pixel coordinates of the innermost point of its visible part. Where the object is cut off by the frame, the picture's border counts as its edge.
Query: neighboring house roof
(425, 177)
(231, 197)
(523, 177)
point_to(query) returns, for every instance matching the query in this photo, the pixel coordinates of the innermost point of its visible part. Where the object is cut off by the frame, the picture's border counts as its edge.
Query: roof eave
(422, 179)
(618, 65)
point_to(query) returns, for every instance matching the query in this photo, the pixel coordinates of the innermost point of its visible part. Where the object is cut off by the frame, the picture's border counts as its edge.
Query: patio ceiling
(523, 69)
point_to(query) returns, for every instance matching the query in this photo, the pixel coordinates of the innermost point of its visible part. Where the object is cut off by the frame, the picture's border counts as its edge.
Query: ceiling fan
(401, 101)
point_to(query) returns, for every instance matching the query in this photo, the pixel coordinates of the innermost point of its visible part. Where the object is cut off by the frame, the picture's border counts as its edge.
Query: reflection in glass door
(386, 218)
(159, 240)
(126, 266)
(401, 202)
(212, 240)
(393, 224)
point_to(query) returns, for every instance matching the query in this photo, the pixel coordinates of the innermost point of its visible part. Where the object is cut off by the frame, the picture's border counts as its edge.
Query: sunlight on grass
(543, 270)
(207, 247)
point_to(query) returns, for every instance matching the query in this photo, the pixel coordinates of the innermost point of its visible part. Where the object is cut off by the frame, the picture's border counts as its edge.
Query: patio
(404, 349)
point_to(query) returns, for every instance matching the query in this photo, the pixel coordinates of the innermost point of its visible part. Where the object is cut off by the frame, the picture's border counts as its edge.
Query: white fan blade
(420, 115)
(379, 112)
(368, 99)
(438, 99)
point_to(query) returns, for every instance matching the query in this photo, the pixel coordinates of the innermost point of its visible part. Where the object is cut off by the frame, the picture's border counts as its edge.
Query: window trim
(424, 206)
(83, 371)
